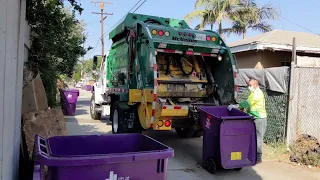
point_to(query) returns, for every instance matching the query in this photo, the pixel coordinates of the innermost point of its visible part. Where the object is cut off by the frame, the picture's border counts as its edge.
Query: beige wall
(249, 59)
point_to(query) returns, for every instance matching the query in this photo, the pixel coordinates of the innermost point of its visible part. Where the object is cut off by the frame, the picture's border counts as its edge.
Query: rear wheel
(185, 132)
(124, 119)
(93, 112)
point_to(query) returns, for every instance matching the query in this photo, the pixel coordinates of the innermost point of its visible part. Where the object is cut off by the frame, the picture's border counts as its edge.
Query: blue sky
(305, 13)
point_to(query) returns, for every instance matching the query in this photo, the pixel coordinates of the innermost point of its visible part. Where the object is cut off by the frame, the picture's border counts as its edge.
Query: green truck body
(159, 71)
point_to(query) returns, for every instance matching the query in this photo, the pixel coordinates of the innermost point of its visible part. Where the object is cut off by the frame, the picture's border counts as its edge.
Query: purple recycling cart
(88, 87)
(101, 157)
(69, 98)
(229, 139)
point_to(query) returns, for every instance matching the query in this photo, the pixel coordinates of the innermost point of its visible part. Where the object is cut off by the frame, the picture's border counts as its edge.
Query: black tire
(111, 112)
(198, 133)
(94, 114)
(185, 132)
(124, 119)
(211, 166)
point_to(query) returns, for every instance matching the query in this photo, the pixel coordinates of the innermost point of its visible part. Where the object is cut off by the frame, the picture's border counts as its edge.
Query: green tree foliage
(248, 15)
(56, 41)
(243, 14)
(77, 73)
(211, 12)
(87, 65)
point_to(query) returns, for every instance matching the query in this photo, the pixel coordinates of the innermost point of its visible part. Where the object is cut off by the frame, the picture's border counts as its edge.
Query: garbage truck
(158, 72)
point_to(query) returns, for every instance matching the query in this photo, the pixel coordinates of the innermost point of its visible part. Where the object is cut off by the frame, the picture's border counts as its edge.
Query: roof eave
(274, 47)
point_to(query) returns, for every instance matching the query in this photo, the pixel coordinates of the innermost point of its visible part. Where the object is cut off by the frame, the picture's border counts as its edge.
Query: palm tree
(213, 11)
(249, 16)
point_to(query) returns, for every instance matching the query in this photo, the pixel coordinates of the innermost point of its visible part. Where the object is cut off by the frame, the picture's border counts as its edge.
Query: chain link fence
(276, 107)
(304, 117)
(274, 82)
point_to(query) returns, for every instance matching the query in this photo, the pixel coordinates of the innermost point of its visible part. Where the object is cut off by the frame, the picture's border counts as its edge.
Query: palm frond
(268, 12)
(197, 27)
(195, 14)
(262, 27)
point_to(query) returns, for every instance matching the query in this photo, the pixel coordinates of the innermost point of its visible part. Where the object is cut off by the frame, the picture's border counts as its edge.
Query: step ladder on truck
(157, 74)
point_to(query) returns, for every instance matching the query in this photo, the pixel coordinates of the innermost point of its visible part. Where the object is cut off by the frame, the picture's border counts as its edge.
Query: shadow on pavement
(82, 124)
(85, 127)
(188, 156)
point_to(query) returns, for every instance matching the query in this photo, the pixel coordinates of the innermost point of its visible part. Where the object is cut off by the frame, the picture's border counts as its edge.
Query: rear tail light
(180, 33)
(208, 38)
(185, 34)
(160, 33)
(190, 35)
(154, 32)
(167, 123)
(189, 53)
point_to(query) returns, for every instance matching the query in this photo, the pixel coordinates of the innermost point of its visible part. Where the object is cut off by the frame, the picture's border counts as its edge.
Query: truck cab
(159, 71)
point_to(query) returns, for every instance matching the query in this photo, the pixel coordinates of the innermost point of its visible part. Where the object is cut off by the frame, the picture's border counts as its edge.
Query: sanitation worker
(255, 106)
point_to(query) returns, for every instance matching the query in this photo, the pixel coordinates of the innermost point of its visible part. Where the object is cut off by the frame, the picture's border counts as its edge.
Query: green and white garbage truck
(158, 72)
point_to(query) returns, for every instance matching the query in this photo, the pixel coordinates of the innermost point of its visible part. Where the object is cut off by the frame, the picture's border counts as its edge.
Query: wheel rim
(92, 107)
(115, 121)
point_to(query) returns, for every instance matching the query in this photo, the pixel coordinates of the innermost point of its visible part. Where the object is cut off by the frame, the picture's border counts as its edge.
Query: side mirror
(95, 63)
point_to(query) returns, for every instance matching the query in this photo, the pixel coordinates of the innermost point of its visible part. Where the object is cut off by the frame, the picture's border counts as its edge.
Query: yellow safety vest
(255, 104)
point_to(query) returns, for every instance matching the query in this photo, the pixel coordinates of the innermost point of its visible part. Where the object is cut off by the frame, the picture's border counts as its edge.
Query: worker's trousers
(261, 127)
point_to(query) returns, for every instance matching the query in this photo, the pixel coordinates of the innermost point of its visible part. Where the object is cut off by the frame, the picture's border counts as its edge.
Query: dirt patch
(46, 123)
(276, 152)
(306, 150)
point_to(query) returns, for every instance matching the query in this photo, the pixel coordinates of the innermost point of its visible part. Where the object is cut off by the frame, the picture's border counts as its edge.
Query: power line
(293, 22)
(135, 5)
(282, 21)
(106, 33)
(140, 6)
(300, 25)
(92, 51)
(103, 17)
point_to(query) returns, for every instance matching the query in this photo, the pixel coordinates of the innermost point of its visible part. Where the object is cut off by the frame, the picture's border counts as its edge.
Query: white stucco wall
(12, 49)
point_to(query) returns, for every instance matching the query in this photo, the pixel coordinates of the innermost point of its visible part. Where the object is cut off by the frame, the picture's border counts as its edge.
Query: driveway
(185, 165)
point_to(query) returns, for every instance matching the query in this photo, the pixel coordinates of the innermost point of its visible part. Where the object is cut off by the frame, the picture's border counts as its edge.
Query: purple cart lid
(71, 90)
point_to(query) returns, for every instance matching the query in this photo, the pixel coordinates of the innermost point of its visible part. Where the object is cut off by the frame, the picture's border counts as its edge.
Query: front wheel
(94, 114)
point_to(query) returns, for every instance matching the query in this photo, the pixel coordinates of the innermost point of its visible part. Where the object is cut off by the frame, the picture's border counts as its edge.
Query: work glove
(233, 106)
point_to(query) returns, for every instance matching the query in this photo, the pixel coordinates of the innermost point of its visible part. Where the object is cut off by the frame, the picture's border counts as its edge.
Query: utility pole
(102, 13)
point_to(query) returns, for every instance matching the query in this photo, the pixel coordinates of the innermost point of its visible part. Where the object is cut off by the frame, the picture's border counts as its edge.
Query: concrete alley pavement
(185, 165)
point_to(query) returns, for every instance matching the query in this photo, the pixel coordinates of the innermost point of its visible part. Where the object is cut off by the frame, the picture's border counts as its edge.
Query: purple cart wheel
(211, 166)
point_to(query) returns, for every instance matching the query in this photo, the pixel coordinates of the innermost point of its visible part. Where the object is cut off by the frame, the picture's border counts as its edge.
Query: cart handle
(41, 146)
